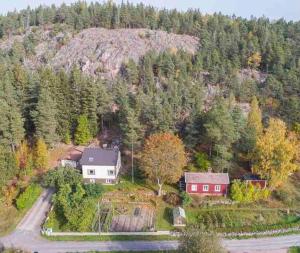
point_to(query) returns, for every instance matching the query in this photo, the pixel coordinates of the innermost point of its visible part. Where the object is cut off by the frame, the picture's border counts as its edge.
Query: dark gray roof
(99, 156)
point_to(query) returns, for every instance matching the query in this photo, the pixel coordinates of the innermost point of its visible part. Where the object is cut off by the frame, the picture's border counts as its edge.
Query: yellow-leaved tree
(254, 60)
(255, 118)
(163, 159)
(24, 158)
(41, 155)
(275, 154)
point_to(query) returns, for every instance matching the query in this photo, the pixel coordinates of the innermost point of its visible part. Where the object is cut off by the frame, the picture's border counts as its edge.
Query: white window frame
(93, 172)
(108, 181)
(92, 180)
(205, 188)
(109, 172)
(217, 188)
(194, 187)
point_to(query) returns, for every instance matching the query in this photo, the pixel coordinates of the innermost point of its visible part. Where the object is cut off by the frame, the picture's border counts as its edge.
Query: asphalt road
(27, 237)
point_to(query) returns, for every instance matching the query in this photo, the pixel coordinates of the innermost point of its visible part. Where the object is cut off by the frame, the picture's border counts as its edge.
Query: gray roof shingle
(99, 156)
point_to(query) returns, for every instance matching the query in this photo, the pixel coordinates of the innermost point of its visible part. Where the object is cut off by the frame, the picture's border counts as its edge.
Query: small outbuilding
(179, 218)
(255, 180)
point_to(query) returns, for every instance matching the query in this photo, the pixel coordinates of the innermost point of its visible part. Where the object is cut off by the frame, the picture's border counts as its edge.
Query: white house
(100, 165)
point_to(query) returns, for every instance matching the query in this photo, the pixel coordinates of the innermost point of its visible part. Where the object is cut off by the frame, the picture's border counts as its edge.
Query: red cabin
(207, 183)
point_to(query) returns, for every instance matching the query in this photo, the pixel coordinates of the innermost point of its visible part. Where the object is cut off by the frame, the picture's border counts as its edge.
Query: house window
(217, 188)
(194, 187)
(108, 181)
(92, 180)
(110, 172)
(205, 188)
(91, 159)
(91, 172)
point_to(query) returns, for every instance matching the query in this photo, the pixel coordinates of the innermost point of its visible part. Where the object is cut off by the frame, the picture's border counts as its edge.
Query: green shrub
(93, 190)
(201, 161)
(28, 197)
(186, 198)
(246, 192)
(61, 176)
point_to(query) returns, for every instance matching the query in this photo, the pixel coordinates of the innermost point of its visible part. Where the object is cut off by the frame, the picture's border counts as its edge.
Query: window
(110, 172)
(217, 188)
(91, 159)
(205, 188)
(108, 181)
(194, 187)
(92, 180)
(91, 172)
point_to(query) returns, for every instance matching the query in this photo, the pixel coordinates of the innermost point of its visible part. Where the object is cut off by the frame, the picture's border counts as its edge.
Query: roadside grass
(263, 236)
(294, 250)
(155, 251)
(237, 219)
(112, 238)
(10, 216)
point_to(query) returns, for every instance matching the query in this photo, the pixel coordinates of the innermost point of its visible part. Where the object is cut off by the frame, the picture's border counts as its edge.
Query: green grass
(242, 219)
(112, 238)
(164, 216)
(262, 236)
(10, 216)
(294, 250)
(160, 251)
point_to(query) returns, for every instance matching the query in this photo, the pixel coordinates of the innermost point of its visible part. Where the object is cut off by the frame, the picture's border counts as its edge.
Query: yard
(136, 205)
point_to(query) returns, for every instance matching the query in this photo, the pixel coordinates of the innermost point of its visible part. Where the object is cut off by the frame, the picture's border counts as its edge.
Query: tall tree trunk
(159, 187)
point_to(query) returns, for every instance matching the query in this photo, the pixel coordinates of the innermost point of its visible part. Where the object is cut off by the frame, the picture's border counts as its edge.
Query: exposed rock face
(101, 51)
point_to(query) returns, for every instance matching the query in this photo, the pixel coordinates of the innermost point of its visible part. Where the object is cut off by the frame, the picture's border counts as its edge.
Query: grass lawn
(294, 250)
(112, 238)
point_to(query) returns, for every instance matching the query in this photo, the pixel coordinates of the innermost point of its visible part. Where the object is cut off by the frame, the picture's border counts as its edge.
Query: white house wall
(100, 172)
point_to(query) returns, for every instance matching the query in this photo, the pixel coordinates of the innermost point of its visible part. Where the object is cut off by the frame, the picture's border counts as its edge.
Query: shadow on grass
(168, 215)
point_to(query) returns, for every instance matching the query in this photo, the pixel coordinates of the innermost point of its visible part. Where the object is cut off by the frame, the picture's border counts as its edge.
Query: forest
(163, 92)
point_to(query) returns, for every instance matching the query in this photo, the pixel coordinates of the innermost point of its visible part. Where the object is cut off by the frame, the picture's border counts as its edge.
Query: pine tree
(44, 117)
(89, 105)
(220, 134)
(252, 130)
(11, 124)
(82, 134)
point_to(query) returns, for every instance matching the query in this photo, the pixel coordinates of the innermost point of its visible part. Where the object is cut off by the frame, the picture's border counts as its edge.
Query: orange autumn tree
(163, 158)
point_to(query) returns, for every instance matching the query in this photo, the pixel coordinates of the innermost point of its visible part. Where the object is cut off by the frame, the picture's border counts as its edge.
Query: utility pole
(132, 171)
(99, 225)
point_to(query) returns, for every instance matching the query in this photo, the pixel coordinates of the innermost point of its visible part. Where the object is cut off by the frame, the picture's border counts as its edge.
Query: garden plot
(140, 218)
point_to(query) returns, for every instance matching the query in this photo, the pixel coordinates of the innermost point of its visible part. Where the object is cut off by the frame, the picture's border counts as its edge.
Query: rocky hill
(99, 51)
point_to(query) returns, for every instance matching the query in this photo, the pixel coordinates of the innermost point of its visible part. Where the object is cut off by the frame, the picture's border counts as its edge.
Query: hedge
(27, 198)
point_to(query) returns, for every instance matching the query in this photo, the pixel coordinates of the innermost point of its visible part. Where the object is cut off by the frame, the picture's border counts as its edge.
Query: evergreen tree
(44, 117)
(220, 134)
(82, 134)
(11, 124)
(8, 166)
